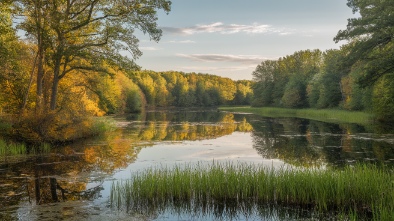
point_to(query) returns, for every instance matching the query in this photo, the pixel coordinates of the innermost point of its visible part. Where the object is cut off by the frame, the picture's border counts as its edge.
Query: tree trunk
(55, 84)
(26, 96)
(40, 80)
(53, 184)
(41, 57)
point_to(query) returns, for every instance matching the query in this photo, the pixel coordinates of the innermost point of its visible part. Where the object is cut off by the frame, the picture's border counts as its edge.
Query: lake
(73, 182)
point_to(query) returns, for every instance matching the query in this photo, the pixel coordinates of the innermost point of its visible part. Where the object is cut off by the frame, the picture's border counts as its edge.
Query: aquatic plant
(102, 124)
(12, 148)
(3, 147)
(360, 191)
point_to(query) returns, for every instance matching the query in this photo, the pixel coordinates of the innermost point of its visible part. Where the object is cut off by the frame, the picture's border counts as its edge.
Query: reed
(13, 149)
(326, 115)
(360, 191)
(17, 149)
(3, 147)
(102, 124)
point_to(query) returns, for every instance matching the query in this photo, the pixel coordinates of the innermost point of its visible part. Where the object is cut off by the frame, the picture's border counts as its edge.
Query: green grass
(102, 125)
(3, 147)
(360, 191)
(14, 149)
(326, 115)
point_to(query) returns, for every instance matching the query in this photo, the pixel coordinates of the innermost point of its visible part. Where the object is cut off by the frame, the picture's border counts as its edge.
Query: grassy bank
(360, 192)
(326, 115)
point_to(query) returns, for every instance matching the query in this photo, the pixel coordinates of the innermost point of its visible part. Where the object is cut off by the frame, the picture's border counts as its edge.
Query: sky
(230, 38)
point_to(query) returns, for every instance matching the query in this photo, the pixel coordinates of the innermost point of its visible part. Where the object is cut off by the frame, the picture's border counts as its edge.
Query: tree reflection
(67, 173)
(308, 143)
(64, 174)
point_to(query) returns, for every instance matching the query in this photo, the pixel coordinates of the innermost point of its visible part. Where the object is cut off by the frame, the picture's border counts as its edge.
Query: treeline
(310, 78)
(166, 89)
(358, 76)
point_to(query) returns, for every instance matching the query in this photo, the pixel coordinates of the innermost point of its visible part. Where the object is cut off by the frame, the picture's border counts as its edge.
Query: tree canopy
(372, 37)
(84, 35)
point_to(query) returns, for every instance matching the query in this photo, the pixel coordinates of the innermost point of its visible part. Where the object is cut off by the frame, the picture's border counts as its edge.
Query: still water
(73, 182)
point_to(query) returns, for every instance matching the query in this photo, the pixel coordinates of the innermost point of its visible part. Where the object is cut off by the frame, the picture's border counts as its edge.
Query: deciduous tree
(81, 35)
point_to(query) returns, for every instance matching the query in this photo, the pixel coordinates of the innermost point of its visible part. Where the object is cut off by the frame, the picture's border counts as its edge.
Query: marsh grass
(13, 149)
(3, 147)
(360, 191)
(326, 115)
(102, 125)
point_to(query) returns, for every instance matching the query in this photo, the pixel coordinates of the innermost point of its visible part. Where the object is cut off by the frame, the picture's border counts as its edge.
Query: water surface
(73, 182)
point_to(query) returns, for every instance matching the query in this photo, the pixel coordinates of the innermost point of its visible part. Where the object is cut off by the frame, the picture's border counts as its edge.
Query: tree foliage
(83, 35)
(283, 82)
(166, 89)
(383, 98)
(15, 61)
(372, 35)
(355, 77)
(71, 62)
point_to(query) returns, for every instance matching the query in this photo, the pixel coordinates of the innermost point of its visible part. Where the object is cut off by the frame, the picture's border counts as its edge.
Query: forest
(358, 76)
(63, 63)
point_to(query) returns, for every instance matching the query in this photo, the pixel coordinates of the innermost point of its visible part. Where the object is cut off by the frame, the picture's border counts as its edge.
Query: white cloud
(183, 42)
(285, 33)
(246, 59)
(219, 27)
(149, 48)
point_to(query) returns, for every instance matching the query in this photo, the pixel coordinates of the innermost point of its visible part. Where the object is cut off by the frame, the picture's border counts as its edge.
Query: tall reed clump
(3, 147)
(12, 148)
(360, 191)
(102, 124)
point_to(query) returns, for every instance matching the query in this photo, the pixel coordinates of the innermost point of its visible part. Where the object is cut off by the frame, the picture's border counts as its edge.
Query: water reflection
(180, 126)
(77, 172)
(81, 171)
(305, 143)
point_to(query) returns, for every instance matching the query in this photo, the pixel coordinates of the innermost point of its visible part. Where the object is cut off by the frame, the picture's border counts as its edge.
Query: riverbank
(24, 135)
(325, 115)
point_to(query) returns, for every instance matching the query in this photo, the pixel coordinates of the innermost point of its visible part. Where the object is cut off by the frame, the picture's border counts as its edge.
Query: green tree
(383, 100)
(295, 93)
(324, 90)
(15, 61)
(372, 38)
(277, 81)
(264, 76)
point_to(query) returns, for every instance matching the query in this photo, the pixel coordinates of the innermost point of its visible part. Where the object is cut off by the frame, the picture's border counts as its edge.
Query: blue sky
(230, 38)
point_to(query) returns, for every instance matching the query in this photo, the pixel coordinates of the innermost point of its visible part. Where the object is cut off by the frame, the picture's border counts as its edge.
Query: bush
(58, 126)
